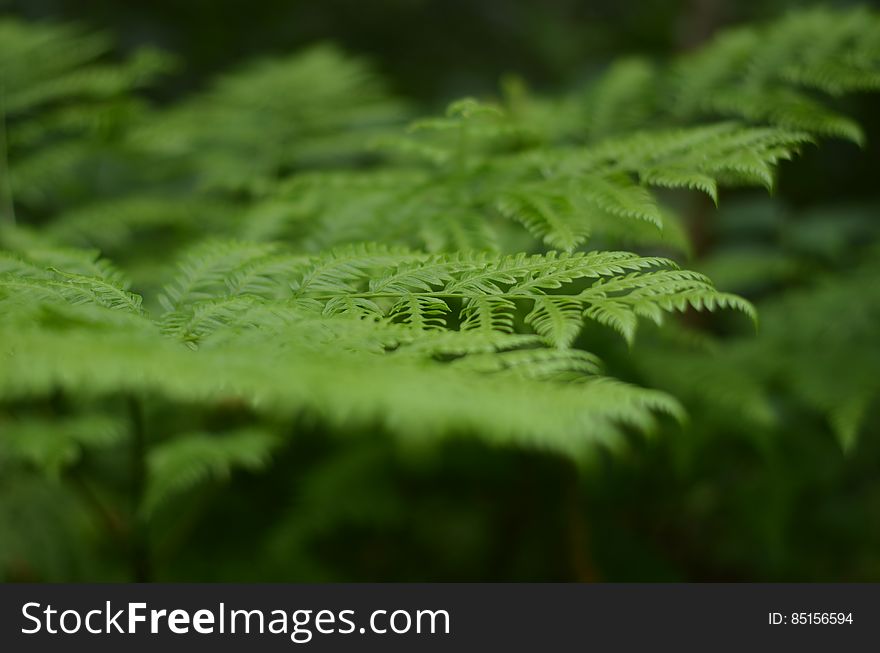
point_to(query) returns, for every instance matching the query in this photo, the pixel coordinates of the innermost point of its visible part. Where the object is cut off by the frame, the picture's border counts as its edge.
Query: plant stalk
(141, 559)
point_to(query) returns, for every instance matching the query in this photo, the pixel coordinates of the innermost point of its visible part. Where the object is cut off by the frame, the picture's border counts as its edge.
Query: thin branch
(140, 547)
(440, 295)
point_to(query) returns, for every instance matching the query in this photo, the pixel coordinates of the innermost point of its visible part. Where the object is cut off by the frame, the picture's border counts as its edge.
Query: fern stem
(582, 566)
(439, 295)
(140, 549)
(7, 205)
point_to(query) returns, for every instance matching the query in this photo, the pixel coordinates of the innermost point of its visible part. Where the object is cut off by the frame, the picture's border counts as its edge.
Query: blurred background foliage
(773, 477)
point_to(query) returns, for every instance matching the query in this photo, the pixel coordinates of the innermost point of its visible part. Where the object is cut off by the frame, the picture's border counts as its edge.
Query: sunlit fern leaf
(489, 288)
(558, 319)
(96, 281)
(420, 312)
(200, 319)
(488, 314)
(100, 291)
(340, 267)
(352, 306)
(615, 314)
(75, 291)
(618, 301)
(209, 269)
(416, 275)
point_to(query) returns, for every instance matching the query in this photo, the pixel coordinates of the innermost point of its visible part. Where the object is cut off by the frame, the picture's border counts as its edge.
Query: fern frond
(337, 269)
(101, 285)
(51, 445)
(318, 104)
(490, 289)
(548, 216)
(557, 319)
(32, 54)
(201, 319)
(618, 101)
(757, 73)
(420, 312)
(786, 109)
(621, 197)
(560, 365)
(80, 288)
(480, 159)
(488, 314)
(451, 320)
(215, 267)
(671, 177)
(184, 461)
(396, 324)
(439, 399)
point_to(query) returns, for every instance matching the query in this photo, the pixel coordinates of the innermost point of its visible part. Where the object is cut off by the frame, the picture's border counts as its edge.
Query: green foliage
(279, 115)
(185, 461)
(289, 257)
(817, 342)
(66, 107)
(525, 160)
(274, 331)
(764, 74)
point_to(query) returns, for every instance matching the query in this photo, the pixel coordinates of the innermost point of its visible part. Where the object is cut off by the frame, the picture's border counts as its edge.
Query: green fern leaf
(184, 461)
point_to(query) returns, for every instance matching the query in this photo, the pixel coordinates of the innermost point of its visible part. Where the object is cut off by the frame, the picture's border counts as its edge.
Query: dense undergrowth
(285, 310)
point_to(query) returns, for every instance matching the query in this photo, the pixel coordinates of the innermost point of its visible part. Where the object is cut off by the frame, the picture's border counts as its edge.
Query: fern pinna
(427, 280)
